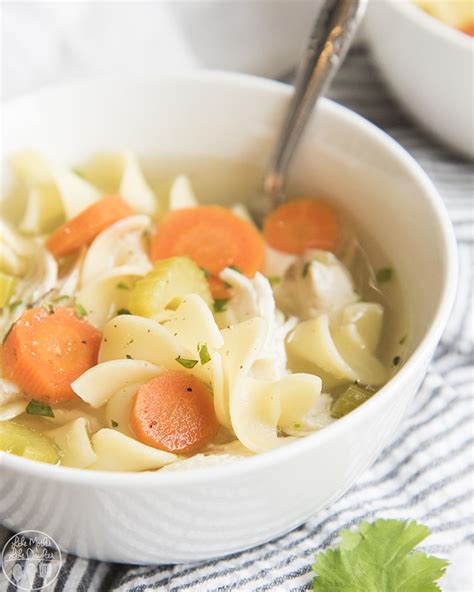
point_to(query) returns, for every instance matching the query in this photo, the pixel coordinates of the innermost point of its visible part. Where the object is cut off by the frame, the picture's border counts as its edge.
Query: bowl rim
(412, 11)
(282, 454)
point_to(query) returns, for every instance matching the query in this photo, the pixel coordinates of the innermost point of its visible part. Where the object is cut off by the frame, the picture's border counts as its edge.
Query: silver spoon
(329, 41)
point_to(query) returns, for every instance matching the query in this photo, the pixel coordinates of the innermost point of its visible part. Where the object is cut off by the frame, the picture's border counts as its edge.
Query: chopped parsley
(220, 304)
(80, 310)
(305, 270)
(274, 280)
(113, 423)
(122, 311)
(204, 354)
(61, 298)
(14, 305)
(78, 172)
(185, 362)
(129, 357)
(384, 274)
(402, 340)
(36, 408)
(396, 360)
(206, 273)
(235, 268)
(48, 307)
(123, 286)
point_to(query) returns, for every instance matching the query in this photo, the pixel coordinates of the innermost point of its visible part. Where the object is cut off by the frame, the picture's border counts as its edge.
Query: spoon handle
(330, 39)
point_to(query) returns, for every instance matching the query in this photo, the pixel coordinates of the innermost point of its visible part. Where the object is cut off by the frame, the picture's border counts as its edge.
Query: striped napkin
(426, 473)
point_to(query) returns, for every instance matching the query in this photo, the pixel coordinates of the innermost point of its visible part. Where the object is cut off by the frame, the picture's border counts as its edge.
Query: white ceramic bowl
(263, 38)
(199, 514)
(428, 66)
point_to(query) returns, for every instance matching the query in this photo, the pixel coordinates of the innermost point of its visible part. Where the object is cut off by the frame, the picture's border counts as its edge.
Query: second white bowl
(428, 66)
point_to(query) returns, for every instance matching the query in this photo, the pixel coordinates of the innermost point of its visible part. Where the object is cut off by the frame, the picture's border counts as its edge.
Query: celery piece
(28, 443)
(166, 284)
(350, 399)
(7, 287)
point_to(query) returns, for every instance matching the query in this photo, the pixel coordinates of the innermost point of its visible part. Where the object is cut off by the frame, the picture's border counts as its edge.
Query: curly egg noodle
(272, 355)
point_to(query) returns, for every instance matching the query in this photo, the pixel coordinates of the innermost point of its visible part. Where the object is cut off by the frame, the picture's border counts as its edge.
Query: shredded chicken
(317, 282)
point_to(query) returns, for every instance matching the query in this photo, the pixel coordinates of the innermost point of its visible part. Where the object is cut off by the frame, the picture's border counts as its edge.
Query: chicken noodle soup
(144, 333)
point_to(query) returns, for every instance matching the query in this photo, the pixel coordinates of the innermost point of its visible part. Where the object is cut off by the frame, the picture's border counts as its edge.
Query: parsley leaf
(204, 354)
(384, 274)
(48, 307)
(123, 286)
(235, 268)
(274, 280)
(186, 363)
(61, 298)
(78, 172)
(306, 266)
(80, 310)
(114, 423)
(14, 305)
(220, 304)
(36, 408)
(376, 558)
(122, 311)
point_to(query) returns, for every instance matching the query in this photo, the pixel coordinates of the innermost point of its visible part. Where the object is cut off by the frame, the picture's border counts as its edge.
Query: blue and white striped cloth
(426, 473)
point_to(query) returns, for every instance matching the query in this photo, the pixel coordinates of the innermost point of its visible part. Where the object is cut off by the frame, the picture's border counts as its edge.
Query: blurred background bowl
(429, 67)
(259, 37)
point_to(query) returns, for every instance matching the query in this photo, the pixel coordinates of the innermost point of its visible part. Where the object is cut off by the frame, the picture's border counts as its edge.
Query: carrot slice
(213, 237)
(468, 28)
(302, 224)
(47, 350)
(83, 229)
(174, 412)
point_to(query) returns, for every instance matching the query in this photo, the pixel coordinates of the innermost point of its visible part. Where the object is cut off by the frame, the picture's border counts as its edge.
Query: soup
(146, 329)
